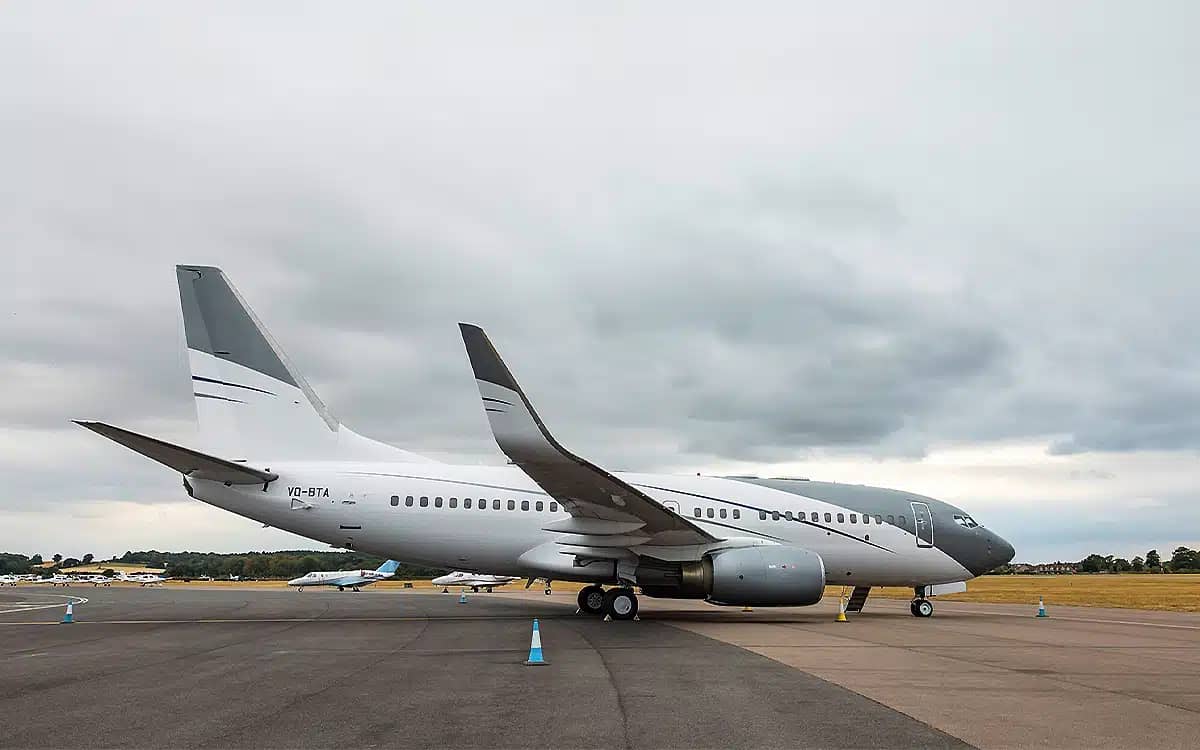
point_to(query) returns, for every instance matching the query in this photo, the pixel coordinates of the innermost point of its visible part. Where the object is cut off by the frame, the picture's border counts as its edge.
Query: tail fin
(251, 402)
(388, 567)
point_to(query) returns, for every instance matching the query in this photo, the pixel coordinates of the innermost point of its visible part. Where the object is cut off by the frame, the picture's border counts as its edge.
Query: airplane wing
(605, 509)
(184, 460)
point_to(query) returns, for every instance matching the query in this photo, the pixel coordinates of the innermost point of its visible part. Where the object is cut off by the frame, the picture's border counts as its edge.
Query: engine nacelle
(767, 576)
(764, 576)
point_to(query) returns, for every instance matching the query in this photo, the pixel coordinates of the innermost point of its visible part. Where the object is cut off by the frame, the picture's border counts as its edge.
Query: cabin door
(924, 524)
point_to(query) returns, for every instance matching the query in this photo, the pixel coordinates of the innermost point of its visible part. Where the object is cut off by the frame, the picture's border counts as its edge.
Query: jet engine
(764, 576)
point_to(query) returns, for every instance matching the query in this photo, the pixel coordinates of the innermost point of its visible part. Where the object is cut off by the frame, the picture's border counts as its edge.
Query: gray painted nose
(1003, 551)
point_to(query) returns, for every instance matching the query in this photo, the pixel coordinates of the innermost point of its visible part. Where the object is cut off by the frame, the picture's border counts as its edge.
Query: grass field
(118, 567)
(1177, 593)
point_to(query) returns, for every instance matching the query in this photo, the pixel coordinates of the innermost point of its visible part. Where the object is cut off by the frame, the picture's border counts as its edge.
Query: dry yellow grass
(1175, 593)
(118, 567)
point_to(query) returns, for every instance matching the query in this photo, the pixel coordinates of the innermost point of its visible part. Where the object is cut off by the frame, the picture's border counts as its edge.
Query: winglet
(184, 460)
(518, 429)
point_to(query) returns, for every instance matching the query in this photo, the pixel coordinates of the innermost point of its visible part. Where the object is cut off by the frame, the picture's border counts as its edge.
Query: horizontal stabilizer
(184, 460)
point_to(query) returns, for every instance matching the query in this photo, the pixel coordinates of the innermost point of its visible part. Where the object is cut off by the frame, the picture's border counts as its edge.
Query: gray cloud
(762, 241)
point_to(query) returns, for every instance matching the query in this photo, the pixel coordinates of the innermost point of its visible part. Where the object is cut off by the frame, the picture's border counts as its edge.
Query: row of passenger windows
(814, 517)
(468, 503)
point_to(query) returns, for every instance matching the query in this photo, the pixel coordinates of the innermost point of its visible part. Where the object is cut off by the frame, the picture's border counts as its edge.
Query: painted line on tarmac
(286, 620)
(31, 608)
(1067, 618)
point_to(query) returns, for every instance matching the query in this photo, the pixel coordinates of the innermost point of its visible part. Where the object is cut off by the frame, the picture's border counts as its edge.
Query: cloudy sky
(946, 248)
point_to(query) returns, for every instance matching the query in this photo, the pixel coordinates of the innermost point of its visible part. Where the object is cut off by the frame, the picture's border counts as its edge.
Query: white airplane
(96, 580)
(9, 580)
(475, 581)
(346, 579)
(273, 452)
(145, 579)
(58, 579)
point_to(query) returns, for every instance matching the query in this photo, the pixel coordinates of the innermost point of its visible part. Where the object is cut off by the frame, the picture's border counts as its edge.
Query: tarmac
(190, 666)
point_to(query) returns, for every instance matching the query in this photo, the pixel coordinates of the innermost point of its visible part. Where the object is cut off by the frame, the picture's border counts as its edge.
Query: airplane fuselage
(431, 514)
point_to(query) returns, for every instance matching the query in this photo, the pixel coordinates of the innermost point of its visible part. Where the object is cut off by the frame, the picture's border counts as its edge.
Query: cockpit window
(965, 521)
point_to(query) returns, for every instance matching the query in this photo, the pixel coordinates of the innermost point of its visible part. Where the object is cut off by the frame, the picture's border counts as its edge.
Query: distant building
(1054, 568)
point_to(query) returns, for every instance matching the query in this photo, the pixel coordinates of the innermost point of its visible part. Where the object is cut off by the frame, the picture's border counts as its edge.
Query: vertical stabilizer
(251, 402)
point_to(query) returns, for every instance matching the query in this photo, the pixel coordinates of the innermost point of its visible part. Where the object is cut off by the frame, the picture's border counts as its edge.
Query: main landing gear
(616, 604)
(921, 607)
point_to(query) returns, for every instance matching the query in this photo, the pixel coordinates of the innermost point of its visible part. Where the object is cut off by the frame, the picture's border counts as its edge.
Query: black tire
(924, 608)
(341, 588)
(621, 604)
(591, 600)
(489, 589)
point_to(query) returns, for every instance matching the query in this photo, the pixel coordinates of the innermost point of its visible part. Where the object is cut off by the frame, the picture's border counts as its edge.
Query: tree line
(285, 564)
(1182, 560)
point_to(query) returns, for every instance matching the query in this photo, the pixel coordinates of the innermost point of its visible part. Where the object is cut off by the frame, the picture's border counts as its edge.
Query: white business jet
(474, 581)
(346, 579)
(272, 451)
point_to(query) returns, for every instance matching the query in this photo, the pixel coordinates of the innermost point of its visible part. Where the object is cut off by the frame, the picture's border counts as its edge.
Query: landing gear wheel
(591, 600)
(341, 588)
(489, 589)
(445, 590)
(620, 604)
(921, 608)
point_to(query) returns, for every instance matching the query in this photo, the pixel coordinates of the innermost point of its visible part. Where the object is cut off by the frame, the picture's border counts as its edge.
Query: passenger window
(437, 502)
(853, 518)
(408, 501)
(467, 503)
(424, 502)
(512, 504)
(723, 513)
(828, 518)
(737, 513)
(454, 502)
(787, 514)
(774, 515)
(902, 521)
(708, 512)
(395, 500)
(697, 512)
(762, 515)
(891, 519)
(524, 505)
(495, 505)
(553, 507)
(815, 517)
(878, 519)
(841, 518)
(540, 506)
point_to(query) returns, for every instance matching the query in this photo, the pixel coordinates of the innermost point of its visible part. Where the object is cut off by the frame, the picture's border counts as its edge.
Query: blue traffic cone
(1042, 608)
(462, 597)
(69, 617)
(535, 648)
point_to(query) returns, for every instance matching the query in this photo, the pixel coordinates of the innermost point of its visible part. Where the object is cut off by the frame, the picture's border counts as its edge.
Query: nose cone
(1003, 550)
(295, 581)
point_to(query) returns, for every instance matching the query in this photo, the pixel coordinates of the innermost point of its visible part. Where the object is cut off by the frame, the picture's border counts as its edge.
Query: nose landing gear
(921, 607)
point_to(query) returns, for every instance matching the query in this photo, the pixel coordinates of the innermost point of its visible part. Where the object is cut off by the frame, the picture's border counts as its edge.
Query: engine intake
(766, 576)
